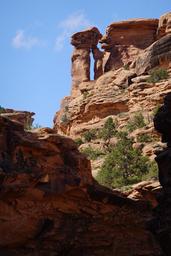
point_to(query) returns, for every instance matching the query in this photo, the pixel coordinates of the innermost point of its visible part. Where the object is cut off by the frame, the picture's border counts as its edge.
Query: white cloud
(21, 40)
(76, 21)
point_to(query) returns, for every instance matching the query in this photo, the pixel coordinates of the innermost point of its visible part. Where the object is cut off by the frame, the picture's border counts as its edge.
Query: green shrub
(158, 74)
(79, 141)
(124, 165)
(108, 131)
(2, 110)
(85, 95)
(36, 126)
(137, 121)
(144, 138)
(152, 173)
(156, 109)
(64, 119)
(90, 135)
(126, 66)
(92, 154)
(29, 126)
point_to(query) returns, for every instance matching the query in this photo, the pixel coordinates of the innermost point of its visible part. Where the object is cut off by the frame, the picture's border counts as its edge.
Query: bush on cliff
(79, 141)
(2, 110)
(90, 135)
(92, 154)
(124, 165)
(144, 138)
(137, 121)
(158, 74)
(108, 131)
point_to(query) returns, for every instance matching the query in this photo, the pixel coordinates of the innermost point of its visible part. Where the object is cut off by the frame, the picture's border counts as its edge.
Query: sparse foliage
(126, 66)
(92, 154)
(64, 119)
(137, 121)
(90, 135)
(79, 141)
(2, 109)
(144, 138)
(108, 131)
(158, 74)
(124, 165)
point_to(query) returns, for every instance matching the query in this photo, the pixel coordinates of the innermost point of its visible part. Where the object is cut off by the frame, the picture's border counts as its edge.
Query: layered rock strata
(23, 117)
(131, 50)
(126, 39)
(50, 205)
(158, 54)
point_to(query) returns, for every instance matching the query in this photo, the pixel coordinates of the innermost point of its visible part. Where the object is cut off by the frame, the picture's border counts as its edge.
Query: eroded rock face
(158, 54)
(43, 153)
(85, 42)
(23, 117)
(164, 27)
(126, 39)
(50, 205)
(98, 99)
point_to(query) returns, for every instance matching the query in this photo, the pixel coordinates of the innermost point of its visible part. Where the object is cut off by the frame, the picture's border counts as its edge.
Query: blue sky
(35, 46)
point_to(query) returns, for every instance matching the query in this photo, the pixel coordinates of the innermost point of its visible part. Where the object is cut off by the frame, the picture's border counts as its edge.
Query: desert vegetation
(123, 164)
(157, 75)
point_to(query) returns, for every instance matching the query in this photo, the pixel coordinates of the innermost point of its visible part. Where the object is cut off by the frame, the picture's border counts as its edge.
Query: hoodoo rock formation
(85, 43)
(121, 88)
(50, 204)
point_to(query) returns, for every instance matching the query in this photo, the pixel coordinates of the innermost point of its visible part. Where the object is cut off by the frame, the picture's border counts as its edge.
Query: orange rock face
(85, 42)
(131, 49)
(126, 39)
(50, 205)
(23, 117)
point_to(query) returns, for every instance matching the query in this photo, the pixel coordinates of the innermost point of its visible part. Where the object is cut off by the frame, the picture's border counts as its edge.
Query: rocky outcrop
(147, 191)
(158, 54)
(98, 99)
(164, 27)
(130, 52)
(50, 205)
(23, 117)
(22, 151)
(85, 42)
(126, 39)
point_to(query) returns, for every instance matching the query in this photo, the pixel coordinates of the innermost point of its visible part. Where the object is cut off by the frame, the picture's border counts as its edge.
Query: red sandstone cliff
(50, 204)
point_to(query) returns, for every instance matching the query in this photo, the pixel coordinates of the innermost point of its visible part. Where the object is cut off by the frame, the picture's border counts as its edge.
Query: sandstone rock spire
(84, 43)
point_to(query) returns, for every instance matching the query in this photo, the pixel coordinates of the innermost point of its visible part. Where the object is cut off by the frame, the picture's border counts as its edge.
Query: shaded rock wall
(50, 205)
(160, 225)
